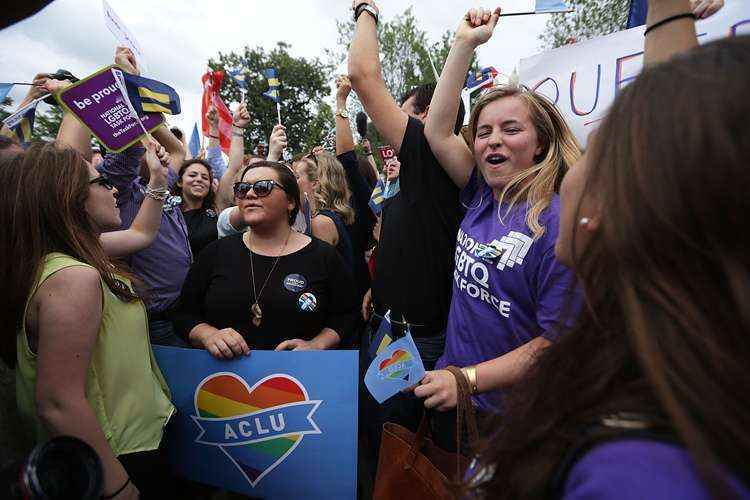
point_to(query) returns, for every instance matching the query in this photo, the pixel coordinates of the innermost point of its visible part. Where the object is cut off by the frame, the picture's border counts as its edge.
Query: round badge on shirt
(307, 302)
(295, 283)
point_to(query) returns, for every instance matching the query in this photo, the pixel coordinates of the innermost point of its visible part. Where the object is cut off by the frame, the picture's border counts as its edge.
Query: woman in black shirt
(198, 203)
(271, 287)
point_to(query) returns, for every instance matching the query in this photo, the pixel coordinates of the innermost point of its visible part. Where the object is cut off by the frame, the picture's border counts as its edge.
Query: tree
(590, 19)
(304, 85)
(46, 123)
(404, 49)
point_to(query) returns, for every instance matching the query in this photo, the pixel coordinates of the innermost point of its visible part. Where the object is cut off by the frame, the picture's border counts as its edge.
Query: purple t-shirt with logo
(636, 469)
(501, 303)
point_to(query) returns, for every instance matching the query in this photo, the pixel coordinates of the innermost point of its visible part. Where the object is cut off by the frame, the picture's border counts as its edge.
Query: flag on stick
(22, 124)
(195, 142)
(5, 89)
(151, 96)
(539, 7)
(481, 78)
(211, 87)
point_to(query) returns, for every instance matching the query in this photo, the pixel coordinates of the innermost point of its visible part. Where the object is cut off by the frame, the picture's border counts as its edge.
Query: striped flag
(21, 123)
(273, 85)
(378, 197)
(383, 337)
(637, 13)
(239, 76)
(481, 78)
(151, 96)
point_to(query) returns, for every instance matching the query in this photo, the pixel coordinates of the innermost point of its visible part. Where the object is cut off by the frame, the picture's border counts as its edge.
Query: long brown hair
(43, 192)
(560, 150)
(666, 327)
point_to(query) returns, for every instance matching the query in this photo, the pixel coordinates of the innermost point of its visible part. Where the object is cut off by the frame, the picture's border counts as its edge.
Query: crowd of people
(596, 301)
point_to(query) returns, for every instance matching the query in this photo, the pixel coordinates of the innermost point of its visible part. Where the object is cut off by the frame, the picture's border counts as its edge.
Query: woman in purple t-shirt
(508, 288)
(647, 395)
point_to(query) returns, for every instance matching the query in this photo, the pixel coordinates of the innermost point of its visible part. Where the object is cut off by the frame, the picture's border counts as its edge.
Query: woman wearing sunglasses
(270, 287)
(509, 289)
(84, 365)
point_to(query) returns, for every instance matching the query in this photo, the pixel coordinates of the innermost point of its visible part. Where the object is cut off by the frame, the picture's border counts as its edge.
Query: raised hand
(125, 59)
(705, 8)
(277, 142)
(212, 116)
(53, 86)
(477, 25)
(241, 116)
(157, 160)
(343, 88)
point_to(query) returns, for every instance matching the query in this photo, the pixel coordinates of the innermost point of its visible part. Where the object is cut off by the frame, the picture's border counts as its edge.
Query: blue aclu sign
(271, 425)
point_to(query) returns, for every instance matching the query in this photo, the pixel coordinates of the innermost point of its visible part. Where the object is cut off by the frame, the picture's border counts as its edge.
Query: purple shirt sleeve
(637, 469)
(122, 168)
(556, 294)
(214, 158)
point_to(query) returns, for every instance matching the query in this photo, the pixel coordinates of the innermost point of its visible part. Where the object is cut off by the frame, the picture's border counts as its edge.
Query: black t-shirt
(418, 238)
(308, 290)
(201, 226)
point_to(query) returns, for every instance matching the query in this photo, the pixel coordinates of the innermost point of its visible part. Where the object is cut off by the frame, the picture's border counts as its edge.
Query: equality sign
(271, 425)
(98, 103)
(584, 79)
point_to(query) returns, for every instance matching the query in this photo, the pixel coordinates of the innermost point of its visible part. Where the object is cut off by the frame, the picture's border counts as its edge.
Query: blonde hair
(332, 190)
(560, 149)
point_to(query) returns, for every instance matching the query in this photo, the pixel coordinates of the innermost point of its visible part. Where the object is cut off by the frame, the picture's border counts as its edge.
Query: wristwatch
(343, 114)
(365, 7)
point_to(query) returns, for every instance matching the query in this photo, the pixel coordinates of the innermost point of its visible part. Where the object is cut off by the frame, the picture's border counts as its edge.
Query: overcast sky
(179, 36)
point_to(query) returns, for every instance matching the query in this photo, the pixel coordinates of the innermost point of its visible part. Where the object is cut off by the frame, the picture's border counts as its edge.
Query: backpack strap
(608, 428)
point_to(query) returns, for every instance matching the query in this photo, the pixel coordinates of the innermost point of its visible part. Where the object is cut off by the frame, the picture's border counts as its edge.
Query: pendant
(257, 314)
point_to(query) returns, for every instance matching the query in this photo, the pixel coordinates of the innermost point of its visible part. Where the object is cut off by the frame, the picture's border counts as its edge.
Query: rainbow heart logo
(397, 366)
(257, 427)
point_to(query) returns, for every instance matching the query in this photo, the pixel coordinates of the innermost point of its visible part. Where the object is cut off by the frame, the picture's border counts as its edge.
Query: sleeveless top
(124, 385)
(344, 246)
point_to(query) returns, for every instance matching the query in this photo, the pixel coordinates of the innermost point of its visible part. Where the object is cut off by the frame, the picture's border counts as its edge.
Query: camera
(62, 468)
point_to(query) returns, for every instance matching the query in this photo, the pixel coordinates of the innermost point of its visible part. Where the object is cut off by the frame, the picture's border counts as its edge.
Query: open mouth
(496, 158)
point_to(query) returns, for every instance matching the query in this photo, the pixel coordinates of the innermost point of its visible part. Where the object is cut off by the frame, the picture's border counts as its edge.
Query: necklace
(255, 309)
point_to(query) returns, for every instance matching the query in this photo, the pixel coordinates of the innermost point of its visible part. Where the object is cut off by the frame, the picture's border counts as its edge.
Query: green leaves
(591, 18)
(304, 85)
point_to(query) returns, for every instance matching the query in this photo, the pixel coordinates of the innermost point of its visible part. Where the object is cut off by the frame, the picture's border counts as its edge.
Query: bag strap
(416, 446)
(464, 411)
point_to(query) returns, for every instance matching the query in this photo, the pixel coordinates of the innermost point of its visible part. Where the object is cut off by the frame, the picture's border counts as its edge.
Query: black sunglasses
(260, 188)
(103, 181)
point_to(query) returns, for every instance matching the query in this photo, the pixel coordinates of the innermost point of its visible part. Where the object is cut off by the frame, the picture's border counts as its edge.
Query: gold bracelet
(470, 372)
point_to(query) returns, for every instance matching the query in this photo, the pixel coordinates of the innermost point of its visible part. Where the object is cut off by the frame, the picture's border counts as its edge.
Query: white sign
(583, 79)
(14, 119)
(121, 32)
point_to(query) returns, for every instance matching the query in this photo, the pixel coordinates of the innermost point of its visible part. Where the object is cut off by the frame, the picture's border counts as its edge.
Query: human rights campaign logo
(257, 427)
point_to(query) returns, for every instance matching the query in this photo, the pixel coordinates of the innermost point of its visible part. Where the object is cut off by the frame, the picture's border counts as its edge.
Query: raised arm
(72, 133)
(276, 143)
(450, 150)
(344, 137)
(367, 79)
(240, 120)
(142, 232)
(666, 40)
(173, 145)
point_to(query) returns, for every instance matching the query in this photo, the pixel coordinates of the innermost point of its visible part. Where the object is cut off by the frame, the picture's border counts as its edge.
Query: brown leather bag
(412, 466)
